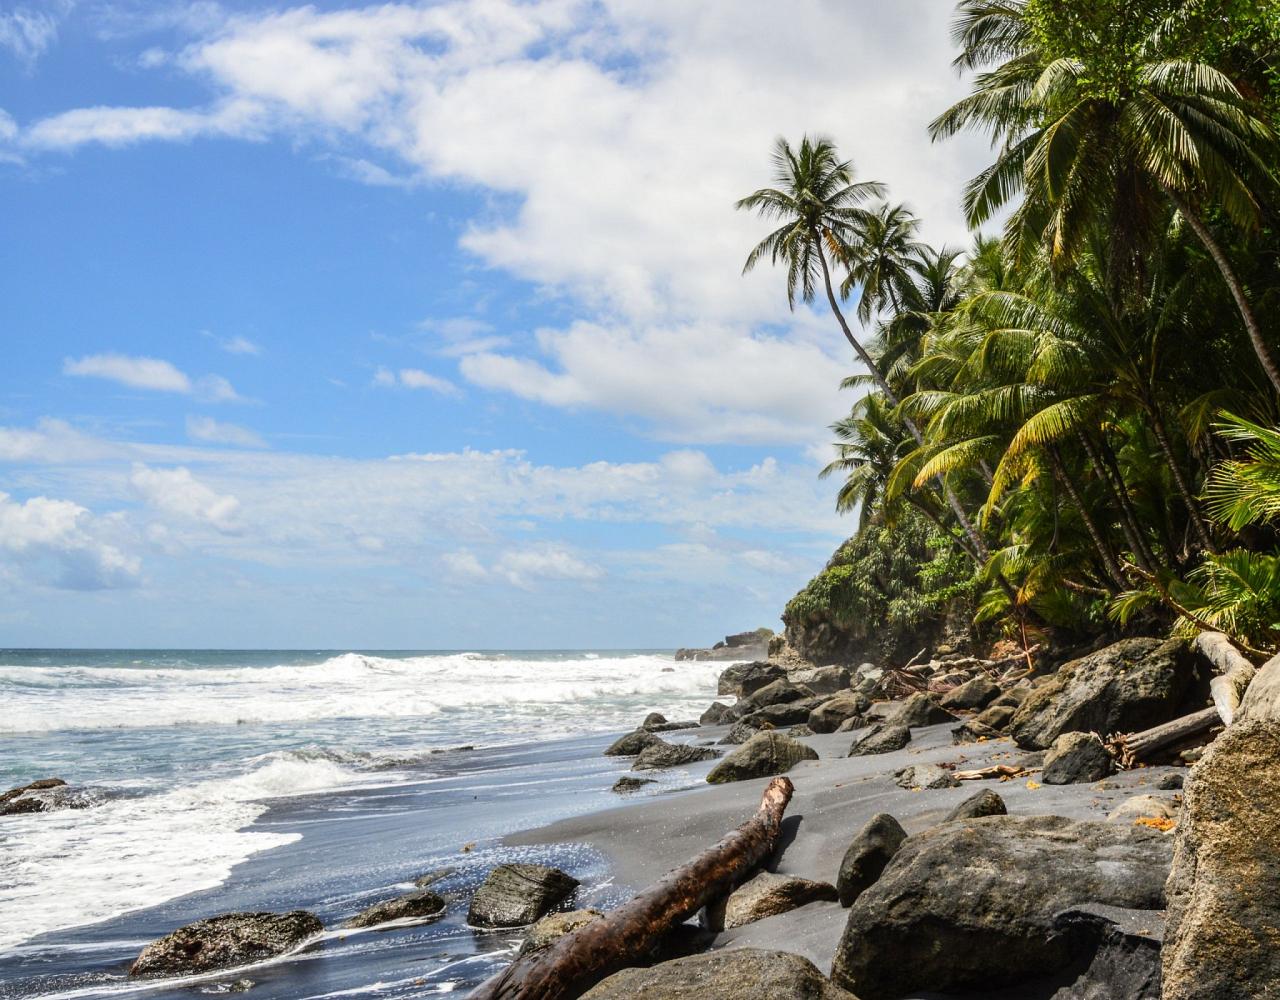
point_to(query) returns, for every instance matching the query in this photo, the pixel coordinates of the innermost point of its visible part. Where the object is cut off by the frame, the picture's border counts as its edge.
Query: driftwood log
(1234, 673)
(1130, 749)
(1000, 771)
(628, 935)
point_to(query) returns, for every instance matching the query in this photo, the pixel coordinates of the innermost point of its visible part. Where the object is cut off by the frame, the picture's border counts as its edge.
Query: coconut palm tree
(1108, 130)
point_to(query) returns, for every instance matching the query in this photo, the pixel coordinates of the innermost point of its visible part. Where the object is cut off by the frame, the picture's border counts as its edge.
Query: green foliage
(1243, 492)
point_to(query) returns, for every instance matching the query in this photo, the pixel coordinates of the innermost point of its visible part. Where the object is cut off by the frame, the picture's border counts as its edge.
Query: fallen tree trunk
(1000, 771)
(1130, 749)
(1234, 673)
(628, 935)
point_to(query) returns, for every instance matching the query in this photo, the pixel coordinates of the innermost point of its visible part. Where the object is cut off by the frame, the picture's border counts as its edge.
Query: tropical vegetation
(1080, 408)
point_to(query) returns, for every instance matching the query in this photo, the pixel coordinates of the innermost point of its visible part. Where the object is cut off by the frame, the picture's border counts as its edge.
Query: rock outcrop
(741, 646)
(518, 894)
(765, 754)
(225, 942)
(733, 974)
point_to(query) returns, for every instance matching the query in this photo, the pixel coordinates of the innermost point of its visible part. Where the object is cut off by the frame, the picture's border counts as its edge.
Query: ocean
(217, 780)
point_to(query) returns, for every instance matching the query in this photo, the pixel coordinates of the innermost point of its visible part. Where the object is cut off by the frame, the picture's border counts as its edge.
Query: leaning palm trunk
(975, 539)
(1128, 518)
(1184, 490)
(1099, 541)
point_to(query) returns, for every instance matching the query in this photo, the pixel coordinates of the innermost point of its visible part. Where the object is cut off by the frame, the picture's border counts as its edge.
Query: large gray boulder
(662, 755)
(1131, 685)
(884, 738)
(714, 715)
(769, 894)
(517, 894)
(919, 710)
(828, 716)
(971, 905)
(420, 906)
(226, 941)
(731, 974)
(973, 695)
(1076, 758)
(1223, 936)
(977, 805)
(868, 855)
(765, 754)
(823, 680)
(743, 679)
(791, 713)
(780, 692)
(632, 744)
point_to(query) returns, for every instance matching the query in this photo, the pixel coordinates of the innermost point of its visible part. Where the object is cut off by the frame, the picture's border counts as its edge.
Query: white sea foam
(76, 867)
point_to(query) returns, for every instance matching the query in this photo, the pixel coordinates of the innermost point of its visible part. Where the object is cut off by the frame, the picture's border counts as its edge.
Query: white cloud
(238, 345)
(152, 374)
(525, 567)
(27, 32)
(218, 432)
(59, 542)
(414, 378)
(178, 492)
(52, 441)
(464, 565)
(111, 126)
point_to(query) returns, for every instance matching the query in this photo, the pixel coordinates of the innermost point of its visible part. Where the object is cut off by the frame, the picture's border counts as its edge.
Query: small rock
(765, 754)
(423, 905)
(853, 724)
(730, 974)
(434, 876)
(662, 755)
(973, 695)
(739, 733)
(653, 719)
(920, 710)
(865, 860)
(801, 730)
(977, 805)
(1076, 758)
(714, 715)
(554, 926)
(226, 941)
(1143, 807)
(1171, 783)
(791, 713)
(768, 894)
(632, 744)
(627, 784)
(884, 738)
(925, 776)
(995, 717)
(517, 894)
(973, 731)
(828, 716)
(823, 680)
(17, 801)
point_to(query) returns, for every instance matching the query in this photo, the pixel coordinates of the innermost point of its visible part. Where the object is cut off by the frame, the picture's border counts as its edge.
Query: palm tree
(880, 262)
(820, 206)
(1166, 130)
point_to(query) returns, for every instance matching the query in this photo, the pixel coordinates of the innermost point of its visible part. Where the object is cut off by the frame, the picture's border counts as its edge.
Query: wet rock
(1076, 758)
(790, 713)
(422, 906)
(768, 894)
(920, 710)
(828, 716)
(1171, 783)
(662, 755)
(517, 894)
(739, 733)
(434, 876)
(653, 719)
(919, 776)
(868, 855)
(765, 754)
(20, 800)
(632, 744)
(554, 926)
(627, 784)
(225, 942)
(714, 715)
(972, 905)
(977, 805)
(884, 738)
(731, 974)
(1143, 807)
(743, 679)
(973, 695)
(1126, 687)
(1224, 890)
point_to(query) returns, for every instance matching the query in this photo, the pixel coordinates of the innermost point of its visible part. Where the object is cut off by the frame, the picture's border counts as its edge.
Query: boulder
(1171, 783)
(973, 732)
(1151, 807)
(1124, 950)
(554, 926)
(714, 715)
(660, 755)
(785, 714)
(866, 678)
(919, 776)
(800, 730)
(517, 894)
(866, 858)
(768, 894)
(828, 716)
(919, 710)
(853, 724)
(823, 680)
(779, 692)
(972, 905)
(17, 801)
(627, 784)
(1076, 758)
(743, 679)
(1126, 687)
(225, 942)
(995, 717)
(421, 906)
(739, 733)
(1224, 890)
(972, 696)
(977, 805)
(731, 974)
(884, 738)
(632, 744)
(765, 754)
(653, 719)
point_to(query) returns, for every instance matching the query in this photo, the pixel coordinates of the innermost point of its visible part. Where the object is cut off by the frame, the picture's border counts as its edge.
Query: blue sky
(421, 324)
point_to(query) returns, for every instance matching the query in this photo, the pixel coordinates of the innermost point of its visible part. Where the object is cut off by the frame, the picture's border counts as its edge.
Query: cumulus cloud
(178, 492)
(151, 374)
(60, 543)
(414, 378)
(526, 567)
(217, 432)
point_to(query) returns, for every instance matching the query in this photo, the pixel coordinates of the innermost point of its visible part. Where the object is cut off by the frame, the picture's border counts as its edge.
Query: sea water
(210, 781)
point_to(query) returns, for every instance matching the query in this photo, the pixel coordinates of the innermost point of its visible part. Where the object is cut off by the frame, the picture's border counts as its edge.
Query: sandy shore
(834, 797)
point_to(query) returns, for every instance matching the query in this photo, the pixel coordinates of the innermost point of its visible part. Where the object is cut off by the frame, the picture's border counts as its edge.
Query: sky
(422, 324)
